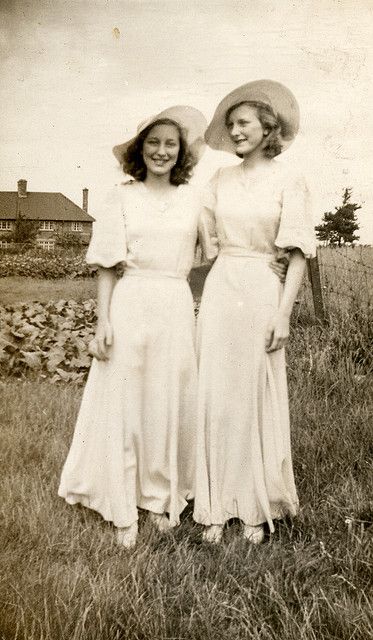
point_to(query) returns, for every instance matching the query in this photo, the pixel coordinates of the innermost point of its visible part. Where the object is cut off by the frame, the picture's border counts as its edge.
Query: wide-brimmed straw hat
(191, 120)
(274, 94)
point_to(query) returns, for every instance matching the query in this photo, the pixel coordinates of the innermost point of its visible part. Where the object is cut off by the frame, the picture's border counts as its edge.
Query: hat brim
(191, 120)
(274, 94)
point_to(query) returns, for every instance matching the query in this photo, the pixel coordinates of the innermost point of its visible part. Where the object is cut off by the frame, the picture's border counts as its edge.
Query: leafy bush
(48, 339)
(68, 240)
(45, 264)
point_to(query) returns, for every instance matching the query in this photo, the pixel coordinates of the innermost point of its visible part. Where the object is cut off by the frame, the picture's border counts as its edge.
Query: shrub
(45, 264)
(68, 240)
(48, 339)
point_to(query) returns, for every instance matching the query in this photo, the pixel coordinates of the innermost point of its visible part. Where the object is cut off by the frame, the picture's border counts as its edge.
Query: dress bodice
(145, 233)
(259, 214)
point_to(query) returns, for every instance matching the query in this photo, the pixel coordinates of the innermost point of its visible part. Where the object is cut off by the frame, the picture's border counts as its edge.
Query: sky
(77, 76)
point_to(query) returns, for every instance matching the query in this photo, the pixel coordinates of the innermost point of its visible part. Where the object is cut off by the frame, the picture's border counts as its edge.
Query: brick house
(55, 212)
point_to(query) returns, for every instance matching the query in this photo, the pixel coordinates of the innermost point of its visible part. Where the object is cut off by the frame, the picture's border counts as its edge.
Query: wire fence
(339, 279)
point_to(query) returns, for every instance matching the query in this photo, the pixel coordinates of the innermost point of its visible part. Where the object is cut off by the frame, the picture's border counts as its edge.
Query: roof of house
(38, 205)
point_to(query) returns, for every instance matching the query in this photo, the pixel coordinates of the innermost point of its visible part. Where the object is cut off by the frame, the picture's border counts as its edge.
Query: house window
(48, 245)
(4, 244)
(46, 225)
(5, 225)
(76, 226)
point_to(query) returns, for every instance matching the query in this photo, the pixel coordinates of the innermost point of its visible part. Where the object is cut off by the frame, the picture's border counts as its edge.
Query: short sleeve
(296, 229)
(207, 234)
(108, 245)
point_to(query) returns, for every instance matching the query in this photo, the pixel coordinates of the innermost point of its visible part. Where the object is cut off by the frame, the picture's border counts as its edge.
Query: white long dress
(134, 440)
(244, 466)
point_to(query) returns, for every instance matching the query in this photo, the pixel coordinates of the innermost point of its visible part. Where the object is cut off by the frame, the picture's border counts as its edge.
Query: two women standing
(134, 442)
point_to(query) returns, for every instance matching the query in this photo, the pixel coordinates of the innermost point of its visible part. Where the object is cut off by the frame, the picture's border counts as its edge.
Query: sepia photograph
(186, 296)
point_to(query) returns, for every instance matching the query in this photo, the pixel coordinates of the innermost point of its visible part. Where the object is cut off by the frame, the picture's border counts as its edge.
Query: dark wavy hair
(269, 122)
(134, 165)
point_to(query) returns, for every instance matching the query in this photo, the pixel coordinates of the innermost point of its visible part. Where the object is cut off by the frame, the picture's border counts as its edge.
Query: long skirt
(134, 440)
(244, 465)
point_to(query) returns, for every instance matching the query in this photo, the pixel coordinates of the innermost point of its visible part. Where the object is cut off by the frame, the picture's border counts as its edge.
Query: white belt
(152, 273)
(239, 252)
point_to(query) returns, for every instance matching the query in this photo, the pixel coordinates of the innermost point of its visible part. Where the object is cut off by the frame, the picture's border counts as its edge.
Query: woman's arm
(99, 346)
(278, 329)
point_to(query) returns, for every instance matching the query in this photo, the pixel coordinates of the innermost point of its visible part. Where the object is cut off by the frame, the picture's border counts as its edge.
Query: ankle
(254, 534)
(127, 536)
(160, 520)
(213, 533)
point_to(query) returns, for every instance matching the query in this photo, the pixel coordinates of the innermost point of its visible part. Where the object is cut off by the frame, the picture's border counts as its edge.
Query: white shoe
(213, 533)
(127, 536)
(255, 535)
(160, 521)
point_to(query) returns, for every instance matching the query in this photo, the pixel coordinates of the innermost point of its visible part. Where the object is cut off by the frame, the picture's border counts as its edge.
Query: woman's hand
(277, 333)
(280, 263)
(99, 345)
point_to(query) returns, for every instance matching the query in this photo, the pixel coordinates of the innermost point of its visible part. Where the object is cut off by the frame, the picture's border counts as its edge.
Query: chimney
(22, 188)
(85, 200)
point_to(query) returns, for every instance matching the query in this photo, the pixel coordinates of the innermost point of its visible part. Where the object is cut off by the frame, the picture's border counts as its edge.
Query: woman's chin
(160, 172)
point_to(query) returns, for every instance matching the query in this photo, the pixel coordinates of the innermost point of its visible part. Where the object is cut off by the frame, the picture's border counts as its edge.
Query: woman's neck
(255, 160)
(158, 183)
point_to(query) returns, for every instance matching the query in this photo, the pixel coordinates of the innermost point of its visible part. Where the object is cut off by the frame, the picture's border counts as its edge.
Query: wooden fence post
(314, 277)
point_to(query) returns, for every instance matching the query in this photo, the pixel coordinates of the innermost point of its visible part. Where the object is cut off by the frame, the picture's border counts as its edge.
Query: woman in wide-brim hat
(257, 209)
(134, 440)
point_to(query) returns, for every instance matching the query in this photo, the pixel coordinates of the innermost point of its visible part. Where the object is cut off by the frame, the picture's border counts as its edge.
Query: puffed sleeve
(207, 234)
(108, 245)
(296, 229)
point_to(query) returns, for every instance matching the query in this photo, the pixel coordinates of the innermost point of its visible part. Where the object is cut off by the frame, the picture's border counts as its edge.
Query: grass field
(16, 289)
(63, 578)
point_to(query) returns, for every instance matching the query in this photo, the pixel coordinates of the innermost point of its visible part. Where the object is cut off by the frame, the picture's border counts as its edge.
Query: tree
(68, 240)
(339, 227)
(24, 231)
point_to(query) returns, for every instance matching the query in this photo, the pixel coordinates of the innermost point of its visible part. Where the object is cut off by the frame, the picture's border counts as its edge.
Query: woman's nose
(162, 151)
(235, 129)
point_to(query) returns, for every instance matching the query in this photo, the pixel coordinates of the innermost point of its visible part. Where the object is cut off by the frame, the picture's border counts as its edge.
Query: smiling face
(245, 130)
(161, 149)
